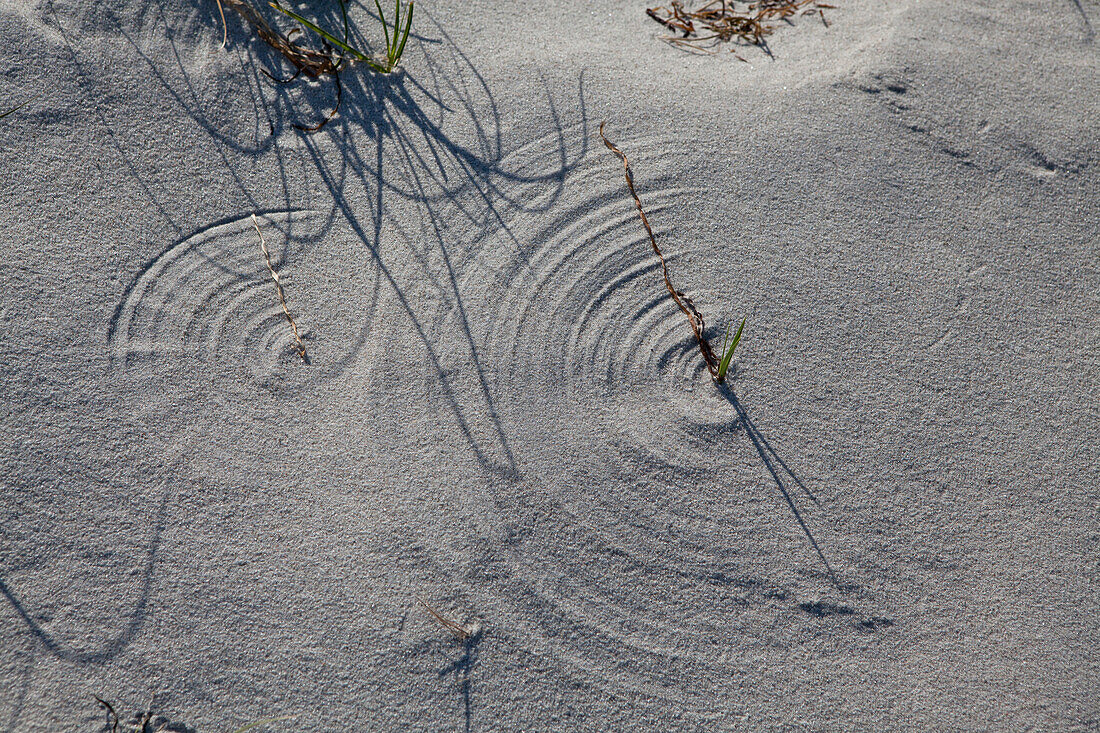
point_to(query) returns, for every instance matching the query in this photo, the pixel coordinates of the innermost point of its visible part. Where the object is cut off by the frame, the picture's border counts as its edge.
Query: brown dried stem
(695, 319)
(300, 347)
(454, 627)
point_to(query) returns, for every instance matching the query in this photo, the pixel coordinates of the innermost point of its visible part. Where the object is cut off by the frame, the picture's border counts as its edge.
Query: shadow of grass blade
(727, 355)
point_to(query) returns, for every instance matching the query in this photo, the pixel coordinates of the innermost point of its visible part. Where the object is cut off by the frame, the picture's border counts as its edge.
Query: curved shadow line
(1089, 33)
(113, 647)
(83, 80)
(433, 357)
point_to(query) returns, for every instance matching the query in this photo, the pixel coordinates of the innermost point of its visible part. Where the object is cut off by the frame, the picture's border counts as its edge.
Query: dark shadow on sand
(462, 668)
(781, 473)
(113, 647)
(390, 142)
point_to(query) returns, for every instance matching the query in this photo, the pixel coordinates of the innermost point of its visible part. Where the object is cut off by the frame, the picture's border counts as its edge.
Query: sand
(889, 521)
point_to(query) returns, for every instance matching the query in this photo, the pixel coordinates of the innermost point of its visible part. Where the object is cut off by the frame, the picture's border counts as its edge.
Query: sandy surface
(504, 414)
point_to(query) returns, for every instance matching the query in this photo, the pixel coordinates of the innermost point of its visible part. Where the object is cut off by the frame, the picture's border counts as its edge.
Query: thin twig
(453, 626)
(110, 713)
(301, 348)
(695, 318)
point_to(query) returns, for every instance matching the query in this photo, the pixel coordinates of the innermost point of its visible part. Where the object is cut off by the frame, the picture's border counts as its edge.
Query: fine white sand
(505, 415)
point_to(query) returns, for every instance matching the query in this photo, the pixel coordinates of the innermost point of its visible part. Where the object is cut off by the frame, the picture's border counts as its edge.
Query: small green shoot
(395, 44)
(14, 109)
(727, 353)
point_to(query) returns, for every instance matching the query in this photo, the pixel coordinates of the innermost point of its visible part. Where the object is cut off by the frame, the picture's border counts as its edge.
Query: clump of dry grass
(725, 20)
(146, 719)
(304, 59)
(336, 54)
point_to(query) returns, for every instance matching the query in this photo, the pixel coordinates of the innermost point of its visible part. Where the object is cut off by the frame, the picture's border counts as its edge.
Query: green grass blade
(14, 109)
(724, 365)
(265, 721)
(321, 32)
(405, 36)
(391, 51)
(385, 30)
(344, 12)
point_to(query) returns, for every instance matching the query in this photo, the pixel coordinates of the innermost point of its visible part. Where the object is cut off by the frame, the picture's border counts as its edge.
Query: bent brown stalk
(299, 347)
(695, 319)
(453, 626)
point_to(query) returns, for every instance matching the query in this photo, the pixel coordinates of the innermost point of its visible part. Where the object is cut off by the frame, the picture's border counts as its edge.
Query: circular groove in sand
(622, 449)
(208, 305)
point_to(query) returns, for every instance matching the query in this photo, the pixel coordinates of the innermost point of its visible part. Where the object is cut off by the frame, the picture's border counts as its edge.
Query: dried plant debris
(462, 633)
(713, 22)
(335, 54)
(694, 317)
(146, 722)
(298, 345)
(304, 59)
(313, 63)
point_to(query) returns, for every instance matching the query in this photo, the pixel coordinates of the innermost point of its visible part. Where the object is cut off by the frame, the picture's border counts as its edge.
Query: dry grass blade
(695, 318)
(300, 347)
(225, 27)
(14, 109)
(454, 627)
(112, 715)
(720, 20)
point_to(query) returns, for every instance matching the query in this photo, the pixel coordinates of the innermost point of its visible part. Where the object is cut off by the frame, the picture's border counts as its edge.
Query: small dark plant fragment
(720, 20)
(14, 109)
(146, 721)
(716, 367)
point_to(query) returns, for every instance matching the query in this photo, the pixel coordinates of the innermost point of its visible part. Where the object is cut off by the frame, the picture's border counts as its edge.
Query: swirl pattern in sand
(636, 519)
(208, 307)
